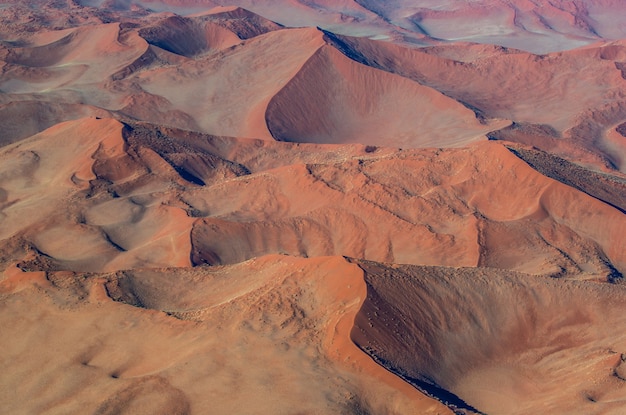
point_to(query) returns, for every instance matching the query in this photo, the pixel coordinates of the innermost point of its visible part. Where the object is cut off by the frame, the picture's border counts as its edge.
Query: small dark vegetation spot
(370, 149)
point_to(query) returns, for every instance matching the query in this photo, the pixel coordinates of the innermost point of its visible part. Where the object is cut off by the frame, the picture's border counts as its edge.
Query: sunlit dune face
(407, 207)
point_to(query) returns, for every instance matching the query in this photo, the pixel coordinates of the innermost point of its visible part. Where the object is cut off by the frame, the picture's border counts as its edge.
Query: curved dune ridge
(361, 104)
(188, 38)
(285, 320)
(230, 211)
(312, 207)
(527, 349)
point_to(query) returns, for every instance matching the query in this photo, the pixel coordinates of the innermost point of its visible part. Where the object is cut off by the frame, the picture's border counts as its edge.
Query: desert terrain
(298, 207)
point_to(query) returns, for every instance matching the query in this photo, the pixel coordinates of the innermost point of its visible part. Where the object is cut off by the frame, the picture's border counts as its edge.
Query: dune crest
(331, 207)
(285, 314)
(357, 104)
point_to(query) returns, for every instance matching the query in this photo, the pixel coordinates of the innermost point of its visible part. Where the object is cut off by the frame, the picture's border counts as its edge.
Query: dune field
(297, 207)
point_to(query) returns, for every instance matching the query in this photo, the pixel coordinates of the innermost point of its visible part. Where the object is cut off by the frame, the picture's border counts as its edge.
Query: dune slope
(312, 207)
(266, 336)
(504, 343)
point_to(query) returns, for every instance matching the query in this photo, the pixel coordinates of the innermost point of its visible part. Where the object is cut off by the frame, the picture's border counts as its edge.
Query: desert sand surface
(330, 207)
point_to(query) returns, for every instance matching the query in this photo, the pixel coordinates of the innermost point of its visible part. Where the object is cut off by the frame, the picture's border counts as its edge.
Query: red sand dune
(252, 337)
(526, 350)
(361, 104)
(206, 210)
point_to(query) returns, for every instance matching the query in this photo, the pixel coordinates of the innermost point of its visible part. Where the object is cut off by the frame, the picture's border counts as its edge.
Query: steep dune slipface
(99, 50)
(420, 207)
(227, 94)
(567, 100)
(241, 22)
(348, 102)
(504, 343)
(264, 336)
(550, 89)
(188, 37)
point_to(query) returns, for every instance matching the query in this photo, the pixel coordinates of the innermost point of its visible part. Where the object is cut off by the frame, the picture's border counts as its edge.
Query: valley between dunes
(204, 210)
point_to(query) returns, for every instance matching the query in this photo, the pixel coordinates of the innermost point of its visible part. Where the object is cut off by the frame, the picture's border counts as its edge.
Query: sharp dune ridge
(355, 207)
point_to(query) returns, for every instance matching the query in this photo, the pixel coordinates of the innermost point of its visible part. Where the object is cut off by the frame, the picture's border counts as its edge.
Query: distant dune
(354, 207)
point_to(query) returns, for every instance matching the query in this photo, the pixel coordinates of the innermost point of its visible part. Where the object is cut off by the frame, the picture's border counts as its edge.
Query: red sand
(209, 212)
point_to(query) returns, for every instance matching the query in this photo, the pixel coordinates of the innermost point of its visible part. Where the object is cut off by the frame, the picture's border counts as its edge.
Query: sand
(392, 208)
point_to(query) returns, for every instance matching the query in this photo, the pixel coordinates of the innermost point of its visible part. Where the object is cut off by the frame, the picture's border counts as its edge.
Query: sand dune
(393, 208)
(228, 94)
(563, 95)
(286, 322)
(89, 46)
(527, 350)
(219, 29)
(57, 225)
(360, 104)
(429, 210)
(22, 119)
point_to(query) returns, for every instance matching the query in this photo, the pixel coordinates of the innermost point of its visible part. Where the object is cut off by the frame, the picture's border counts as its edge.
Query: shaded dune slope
(22, 119)
(349, 102)
(608, 188)
(505, 343)
(190, 36)
(242, 22)
(565, 91)
(92, 46)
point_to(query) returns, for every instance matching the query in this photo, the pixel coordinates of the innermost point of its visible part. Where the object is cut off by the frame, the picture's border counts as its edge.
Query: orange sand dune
(443, 218)
(575, 95)
(265, 336)
(431, 206)
(58, 226)
(91, 46)
(227, 94)
(393, 208)
(504, 343)
(360, 104)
